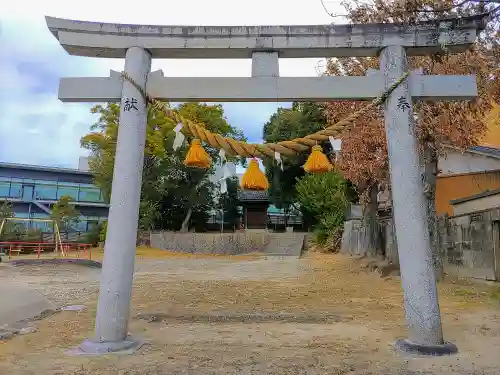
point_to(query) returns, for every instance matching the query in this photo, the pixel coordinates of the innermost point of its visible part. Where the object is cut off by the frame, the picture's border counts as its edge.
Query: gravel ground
(320, 315)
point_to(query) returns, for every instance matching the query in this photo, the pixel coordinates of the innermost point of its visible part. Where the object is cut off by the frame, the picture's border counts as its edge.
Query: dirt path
(214, 316)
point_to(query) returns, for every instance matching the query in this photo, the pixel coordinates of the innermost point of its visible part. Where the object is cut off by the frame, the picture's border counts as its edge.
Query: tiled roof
(486, 150)
(252, 196)
(492, 151)
(486, 193)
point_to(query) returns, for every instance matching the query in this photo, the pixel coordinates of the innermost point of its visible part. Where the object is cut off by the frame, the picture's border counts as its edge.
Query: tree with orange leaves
(460, 124)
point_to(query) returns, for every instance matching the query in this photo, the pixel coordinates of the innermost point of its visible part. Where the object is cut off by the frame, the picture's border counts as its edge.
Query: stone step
(285, 244)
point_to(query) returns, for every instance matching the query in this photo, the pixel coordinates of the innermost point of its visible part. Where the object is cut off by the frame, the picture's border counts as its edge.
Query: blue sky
(36, 128)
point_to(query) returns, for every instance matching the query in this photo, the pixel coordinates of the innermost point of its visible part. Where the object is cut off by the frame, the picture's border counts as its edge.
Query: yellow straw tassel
(197, 156)
(317, 162)
(254, 178)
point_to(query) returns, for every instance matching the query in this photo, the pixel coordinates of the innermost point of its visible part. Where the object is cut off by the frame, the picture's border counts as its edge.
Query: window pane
(90, 194)
(69, 184)
(45, 192)
(46, 182)
(63, 191)
(16, 190)
(28, 190)
(4, 188)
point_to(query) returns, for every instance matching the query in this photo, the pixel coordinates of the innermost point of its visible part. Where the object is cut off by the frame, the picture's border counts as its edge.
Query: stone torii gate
(265, 45)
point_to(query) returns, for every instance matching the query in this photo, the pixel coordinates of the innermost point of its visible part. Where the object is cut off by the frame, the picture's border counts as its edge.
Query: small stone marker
(26, 330)
(5, 334)
(74, 308)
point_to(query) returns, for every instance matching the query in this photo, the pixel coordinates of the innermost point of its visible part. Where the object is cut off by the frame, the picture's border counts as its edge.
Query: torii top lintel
(110, 40)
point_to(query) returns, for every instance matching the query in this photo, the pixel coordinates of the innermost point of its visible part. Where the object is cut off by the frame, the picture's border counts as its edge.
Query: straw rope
(289, 148)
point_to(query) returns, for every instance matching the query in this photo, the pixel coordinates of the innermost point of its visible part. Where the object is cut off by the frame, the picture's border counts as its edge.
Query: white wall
(454, 162)
(477, 205)
(83, 163)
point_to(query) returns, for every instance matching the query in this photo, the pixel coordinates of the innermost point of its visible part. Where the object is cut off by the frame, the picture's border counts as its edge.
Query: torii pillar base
(92, 347)
(406, 346)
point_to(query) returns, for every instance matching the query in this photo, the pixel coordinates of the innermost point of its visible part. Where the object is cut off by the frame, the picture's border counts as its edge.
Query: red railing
(40, 247)
(78, 248)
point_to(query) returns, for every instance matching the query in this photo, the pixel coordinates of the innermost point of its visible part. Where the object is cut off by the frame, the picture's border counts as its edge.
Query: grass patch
(495, 294)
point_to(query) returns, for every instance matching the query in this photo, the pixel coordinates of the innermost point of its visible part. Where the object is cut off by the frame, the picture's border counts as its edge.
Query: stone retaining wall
(211, 243)
(469, 244)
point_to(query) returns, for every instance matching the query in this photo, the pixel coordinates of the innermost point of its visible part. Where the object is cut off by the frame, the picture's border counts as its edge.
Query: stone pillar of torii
(265, 45)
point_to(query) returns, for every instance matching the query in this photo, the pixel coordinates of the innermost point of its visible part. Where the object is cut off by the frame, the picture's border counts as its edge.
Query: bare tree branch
(494, 13)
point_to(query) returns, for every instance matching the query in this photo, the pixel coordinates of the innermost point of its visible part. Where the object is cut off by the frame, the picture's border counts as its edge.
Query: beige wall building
(478, 202)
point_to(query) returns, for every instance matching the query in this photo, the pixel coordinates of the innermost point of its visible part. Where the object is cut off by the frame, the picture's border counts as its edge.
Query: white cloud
(35, 127)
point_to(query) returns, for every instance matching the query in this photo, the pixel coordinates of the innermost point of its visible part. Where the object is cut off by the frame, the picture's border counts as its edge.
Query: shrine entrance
(393, 87)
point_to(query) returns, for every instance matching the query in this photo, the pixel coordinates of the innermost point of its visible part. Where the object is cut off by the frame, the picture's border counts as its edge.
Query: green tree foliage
(288, 123)
(173, 196)
(15, 230)
(102, 231)
(6, 211)
(9, 227)
(325, 197)
(92, 237)
(65, 214)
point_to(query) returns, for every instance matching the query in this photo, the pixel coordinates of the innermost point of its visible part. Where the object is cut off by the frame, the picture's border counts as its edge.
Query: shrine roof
(253, 196)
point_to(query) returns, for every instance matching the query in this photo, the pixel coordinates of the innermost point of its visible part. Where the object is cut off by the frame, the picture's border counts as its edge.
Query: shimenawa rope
(289, 148)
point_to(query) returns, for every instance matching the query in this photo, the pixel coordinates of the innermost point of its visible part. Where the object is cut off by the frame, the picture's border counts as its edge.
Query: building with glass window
(33, 190)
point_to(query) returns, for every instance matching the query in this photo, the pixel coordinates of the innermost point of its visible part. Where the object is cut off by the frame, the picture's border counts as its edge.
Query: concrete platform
(19, 302)
(285, 245)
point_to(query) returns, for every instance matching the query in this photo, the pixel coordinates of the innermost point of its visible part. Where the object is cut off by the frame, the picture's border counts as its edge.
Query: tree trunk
(370, 222)
(429, 180)
(285, 211)
(185, 223)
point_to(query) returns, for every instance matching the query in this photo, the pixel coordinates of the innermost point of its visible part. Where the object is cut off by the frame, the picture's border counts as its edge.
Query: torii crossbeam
(138, 44)
(266, 89)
